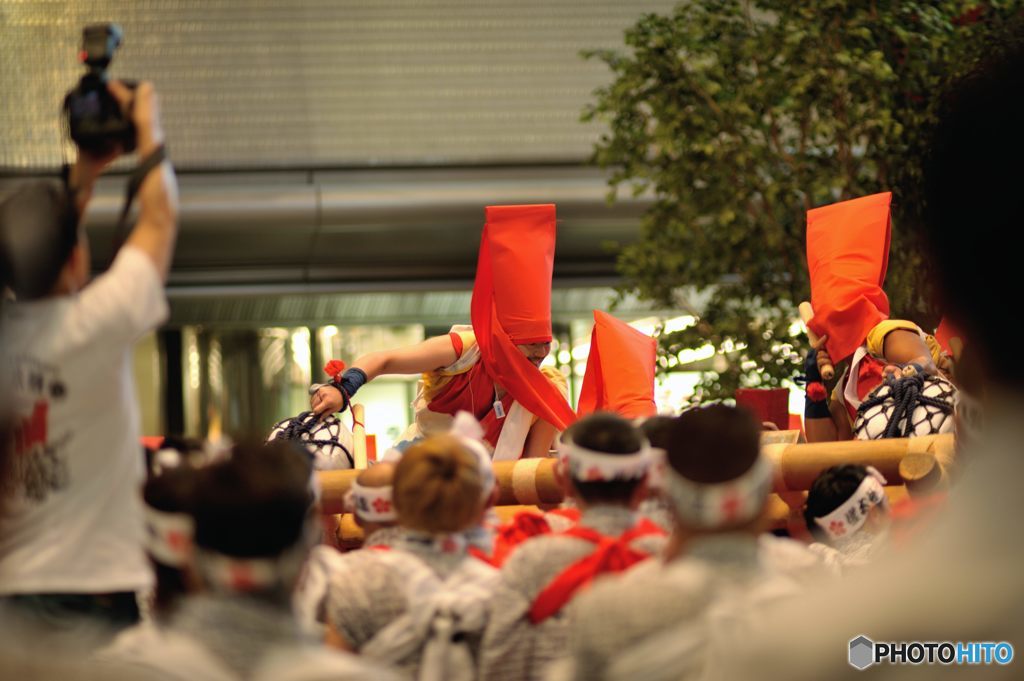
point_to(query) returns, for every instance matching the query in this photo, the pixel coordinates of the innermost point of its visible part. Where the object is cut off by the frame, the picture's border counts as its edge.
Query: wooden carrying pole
(359, 437)
(828, 372)
(784, 512)
(533, 482)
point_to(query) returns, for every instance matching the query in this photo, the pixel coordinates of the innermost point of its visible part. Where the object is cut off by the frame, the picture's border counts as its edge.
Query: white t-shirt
(73, 522)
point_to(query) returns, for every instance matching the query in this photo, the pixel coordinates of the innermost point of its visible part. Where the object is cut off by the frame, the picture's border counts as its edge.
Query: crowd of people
(661, 562)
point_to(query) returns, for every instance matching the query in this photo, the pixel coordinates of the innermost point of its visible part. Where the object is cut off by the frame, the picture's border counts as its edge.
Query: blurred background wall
(334, 159)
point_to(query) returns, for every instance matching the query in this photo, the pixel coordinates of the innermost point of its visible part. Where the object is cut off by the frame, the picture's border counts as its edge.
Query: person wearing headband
(717, 482)
(603, 465)
(491, 369)
(420, 603)
(848, 513)
(255, 521)
(370, 501)
(168, 498)
(656, 507)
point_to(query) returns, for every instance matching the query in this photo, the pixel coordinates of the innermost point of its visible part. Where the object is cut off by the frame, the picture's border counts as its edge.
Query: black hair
(714, 444)
(658, 430)
(255, 503)
(38, 231)
(607, 433)
(830, 490)
(171, 492)
(973, 201)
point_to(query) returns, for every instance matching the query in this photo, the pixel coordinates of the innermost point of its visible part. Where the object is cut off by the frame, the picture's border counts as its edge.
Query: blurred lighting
(564, 356)
(581, 351)
(695, 355)
(680, 323)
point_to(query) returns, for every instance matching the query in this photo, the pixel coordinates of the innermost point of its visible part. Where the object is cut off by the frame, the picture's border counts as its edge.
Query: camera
(94, 118)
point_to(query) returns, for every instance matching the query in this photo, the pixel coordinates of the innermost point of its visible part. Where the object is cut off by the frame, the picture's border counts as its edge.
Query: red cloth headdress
(620, 370)
(946, 332)
(847, 256)
(512, 304)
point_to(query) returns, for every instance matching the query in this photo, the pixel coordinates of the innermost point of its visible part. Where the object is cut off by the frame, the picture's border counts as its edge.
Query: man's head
(845, 501)
(717, 480)
(535, 352)
(604, 460)
(974, 206)
(255, 517)
(372, 498)
(170, 526)
(438, 487)
(43, 251)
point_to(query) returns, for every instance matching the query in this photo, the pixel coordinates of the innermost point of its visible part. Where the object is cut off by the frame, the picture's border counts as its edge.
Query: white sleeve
(125, 302)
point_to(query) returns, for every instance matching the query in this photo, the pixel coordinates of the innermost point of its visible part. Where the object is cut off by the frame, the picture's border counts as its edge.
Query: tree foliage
(738, 117)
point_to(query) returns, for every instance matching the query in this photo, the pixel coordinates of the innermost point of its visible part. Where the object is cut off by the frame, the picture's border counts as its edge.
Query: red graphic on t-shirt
(32, 430)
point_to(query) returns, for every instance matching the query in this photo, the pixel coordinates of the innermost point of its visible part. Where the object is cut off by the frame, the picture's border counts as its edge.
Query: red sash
(613, 554)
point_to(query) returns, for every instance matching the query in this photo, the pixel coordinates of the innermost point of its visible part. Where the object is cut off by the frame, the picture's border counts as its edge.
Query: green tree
(738, 117)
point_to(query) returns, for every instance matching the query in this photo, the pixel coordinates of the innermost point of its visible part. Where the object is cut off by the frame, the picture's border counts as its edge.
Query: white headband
(168, 536)
(715, 505)
(587, 465)
(851, 514)
(230, 573)
(372, 504)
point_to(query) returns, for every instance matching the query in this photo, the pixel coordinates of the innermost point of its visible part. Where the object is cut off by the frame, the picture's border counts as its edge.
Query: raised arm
(156, 230)
(429, 355)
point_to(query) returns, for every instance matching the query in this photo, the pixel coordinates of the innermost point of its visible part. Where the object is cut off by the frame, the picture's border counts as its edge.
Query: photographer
(71, 543)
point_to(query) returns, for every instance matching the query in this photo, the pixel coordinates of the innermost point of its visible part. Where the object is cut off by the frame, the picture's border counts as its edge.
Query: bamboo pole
(359, 437)
(533, 481)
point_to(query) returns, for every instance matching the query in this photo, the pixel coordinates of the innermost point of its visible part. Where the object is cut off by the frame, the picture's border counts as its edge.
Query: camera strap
(135, 180)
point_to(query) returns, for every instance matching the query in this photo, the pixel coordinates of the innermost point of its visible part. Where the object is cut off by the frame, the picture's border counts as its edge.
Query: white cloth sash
(439, 612)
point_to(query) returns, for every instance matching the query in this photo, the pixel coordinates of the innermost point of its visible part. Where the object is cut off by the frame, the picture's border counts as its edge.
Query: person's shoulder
(317, 663)
(157, 654)
(537, 550)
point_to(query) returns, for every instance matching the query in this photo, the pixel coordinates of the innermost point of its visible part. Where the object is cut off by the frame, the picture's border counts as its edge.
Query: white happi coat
(514, 649)
(662, 620)
(414, 607)
(231, 638)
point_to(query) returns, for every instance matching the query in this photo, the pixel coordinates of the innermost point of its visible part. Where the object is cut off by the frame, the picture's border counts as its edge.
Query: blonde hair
(437, 486)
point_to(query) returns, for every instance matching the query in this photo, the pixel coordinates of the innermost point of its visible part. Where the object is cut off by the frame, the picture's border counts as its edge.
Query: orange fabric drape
(847, 257)
(620, 370)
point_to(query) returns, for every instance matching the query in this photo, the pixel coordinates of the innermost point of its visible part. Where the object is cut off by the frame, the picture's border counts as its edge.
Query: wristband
(351, 381)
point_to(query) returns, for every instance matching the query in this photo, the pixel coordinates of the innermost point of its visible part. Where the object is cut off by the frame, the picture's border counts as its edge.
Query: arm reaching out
(429, 355)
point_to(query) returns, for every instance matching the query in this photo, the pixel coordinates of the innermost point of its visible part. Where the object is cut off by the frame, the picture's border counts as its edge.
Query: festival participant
(656, 507)
(421, 602)
(255, 521)
(619, 378)
(620, 370)
(712, 576)
(848, 513)
(847, 258)
(603, 464)
(370, 500)
(492, 369)
(71, 552)
(168, 501)
(961, 583)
